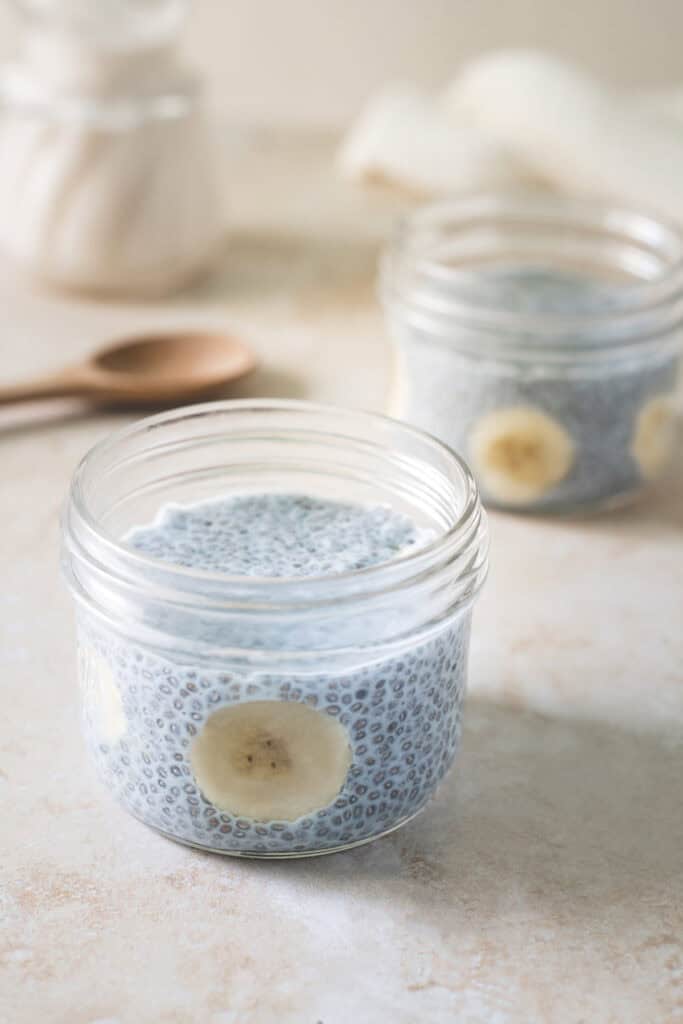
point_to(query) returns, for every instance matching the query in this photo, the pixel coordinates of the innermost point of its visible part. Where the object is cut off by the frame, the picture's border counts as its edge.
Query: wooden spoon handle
(65, 384)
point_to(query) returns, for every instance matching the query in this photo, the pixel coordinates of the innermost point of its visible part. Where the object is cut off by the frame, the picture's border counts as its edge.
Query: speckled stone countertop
(546, 881)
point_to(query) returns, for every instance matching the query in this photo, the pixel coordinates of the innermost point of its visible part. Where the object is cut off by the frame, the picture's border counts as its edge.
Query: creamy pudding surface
(277, 535)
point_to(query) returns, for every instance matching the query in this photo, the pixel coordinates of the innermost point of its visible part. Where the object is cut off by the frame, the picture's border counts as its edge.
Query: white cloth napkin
(518, 117)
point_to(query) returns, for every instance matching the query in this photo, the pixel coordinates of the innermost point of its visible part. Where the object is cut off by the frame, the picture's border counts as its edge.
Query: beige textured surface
(546, 881)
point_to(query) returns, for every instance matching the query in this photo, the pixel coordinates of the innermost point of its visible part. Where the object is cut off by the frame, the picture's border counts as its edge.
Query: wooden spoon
(150, 370)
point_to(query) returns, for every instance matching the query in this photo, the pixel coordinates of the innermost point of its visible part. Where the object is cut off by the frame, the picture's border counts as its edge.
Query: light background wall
(314, 61)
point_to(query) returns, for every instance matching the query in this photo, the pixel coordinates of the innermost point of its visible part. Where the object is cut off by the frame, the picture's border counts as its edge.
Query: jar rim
(461, 548)
(642, 313)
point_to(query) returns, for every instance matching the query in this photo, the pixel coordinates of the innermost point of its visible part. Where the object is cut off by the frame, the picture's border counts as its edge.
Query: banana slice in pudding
(653, 437)
(270, 759)
(102, 698)
(519, 453)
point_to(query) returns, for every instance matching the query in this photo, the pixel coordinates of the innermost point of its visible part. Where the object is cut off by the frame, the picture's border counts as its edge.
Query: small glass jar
(541, 337)
(380, 651)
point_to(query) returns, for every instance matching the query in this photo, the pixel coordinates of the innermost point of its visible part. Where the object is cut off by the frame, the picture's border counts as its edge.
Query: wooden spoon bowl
(153, 369)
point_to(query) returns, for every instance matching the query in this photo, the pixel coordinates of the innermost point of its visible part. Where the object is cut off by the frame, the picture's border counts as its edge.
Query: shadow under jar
(541, 337)
(288, 714)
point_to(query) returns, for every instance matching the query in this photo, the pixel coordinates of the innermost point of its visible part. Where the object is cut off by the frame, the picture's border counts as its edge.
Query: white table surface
(545, 883)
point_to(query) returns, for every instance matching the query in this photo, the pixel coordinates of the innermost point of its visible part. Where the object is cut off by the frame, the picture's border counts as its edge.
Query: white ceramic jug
(109, 179)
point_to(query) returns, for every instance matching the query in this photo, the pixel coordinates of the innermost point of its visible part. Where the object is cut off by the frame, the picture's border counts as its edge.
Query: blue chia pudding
(540, 436)
(248, 760)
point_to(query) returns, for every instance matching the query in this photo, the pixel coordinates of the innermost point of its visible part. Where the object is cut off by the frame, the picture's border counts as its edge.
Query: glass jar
(380, 651)
(540, 336)
(110, 178)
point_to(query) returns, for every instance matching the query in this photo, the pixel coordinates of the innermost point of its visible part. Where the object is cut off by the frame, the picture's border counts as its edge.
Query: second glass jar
(541, 337)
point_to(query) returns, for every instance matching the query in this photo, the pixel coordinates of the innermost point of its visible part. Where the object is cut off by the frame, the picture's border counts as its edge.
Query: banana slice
(102, 698)
(519, 453)
(653, 438)
(270, 759)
